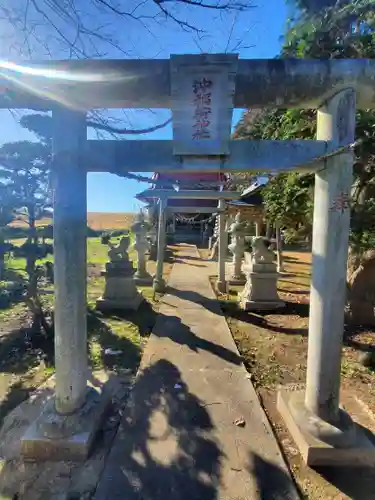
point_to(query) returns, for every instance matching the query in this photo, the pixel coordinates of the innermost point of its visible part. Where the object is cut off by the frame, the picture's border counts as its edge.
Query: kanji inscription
(202, 108)
(341, 203)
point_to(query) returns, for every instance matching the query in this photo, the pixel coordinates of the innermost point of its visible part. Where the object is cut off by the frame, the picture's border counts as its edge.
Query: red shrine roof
(196, 180)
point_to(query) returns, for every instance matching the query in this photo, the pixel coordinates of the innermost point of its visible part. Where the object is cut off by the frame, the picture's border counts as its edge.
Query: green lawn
(126, 333)
(22, 369)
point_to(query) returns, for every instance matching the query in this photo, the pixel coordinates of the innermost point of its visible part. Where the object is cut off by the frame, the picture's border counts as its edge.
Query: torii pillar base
(55, 437)
(221, 286)
(319, 442)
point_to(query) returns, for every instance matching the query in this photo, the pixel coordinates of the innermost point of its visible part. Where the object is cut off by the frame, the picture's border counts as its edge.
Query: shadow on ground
(20, 352)
(357, 483)
(211, 305)
(273, 483)
(178, 332)
(163, 449)
(178, 261)
(259, 319)
(166, 447)
(144, 318)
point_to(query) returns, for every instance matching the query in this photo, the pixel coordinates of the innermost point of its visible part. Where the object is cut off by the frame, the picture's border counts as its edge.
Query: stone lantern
(260, 292)
(140, 229)
(237, 230)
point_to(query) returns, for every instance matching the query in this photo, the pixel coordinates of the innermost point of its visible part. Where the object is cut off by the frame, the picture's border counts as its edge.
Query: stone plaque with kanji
(202, 90)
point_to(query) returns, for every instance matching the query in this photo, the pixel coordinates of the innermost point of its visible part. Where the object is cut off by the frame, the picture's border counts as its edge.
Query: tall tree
(343, 31)
(7, 214)
(308, 7)
(26, 167)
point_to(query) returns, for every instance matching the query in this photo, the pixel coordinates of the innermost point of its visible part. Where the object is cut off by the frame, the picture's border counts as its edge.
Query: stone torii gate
(163, 195)
(201, 91)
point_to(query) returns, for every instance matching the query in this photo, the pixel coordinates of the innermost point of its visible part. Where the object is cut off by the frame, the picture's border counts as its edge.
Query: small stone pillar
(67, 426)
(237, 230)
(279, 249)
(153, 243)
(324, 432)
(215, 246)
(268, 230)
(223, 245)
(159, 283)
(140, 229)
(120, 292)
(260, 292)
(257, 228)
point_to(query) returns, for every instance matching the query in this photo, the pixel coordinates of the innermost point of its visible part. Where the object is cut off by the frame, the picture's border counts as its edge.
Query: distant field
(95, 220)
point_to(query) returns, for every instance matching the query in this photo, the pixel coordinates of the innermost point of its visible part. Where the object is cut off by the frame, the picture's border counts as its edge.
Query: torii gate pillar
(68, 424)
(159, 283)
(223, 249)
(324, 433)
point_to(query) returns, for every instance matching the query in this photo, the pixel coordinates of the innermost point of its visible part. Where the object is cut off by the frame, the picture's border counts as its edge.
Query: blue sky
(260, 29)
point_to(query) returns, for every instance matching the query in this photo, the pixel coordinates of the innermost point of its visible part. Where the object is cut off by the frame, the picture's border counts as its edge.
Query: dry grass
(100, 221)
(274, 349)
(21, 223)
(96, 220)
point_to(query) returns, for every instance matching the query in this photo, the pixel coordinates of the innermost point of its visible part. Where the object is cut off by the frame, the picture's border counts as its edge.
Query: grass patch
(115, 342)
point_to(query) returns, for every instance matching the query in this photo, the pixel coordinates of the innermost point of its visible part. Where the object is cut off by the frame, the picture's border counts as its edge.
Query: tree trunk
(33, 241)
(2, 257)
(2, 264)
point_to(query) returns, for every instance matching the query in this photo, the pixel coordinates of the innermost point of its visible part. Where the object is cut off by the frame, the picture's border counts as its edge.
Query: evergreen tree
(341, 30)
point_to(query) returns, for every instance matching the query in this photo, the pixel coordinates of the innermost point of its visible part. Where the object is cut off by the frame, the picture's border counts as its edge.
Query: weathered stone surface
(65, 437)
(140, 228)
(237, 230)
(331, 227)
(125, 302)
(70, 259)
(159, 283)
(120, 291)
(260, 291)
(361, 292)
(282, 83)
(321, 443)
(52, 480)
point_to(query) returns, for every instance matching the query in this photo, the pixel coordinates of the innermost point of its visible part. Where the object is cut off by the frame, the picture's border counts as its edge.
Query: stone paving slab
(178, 438)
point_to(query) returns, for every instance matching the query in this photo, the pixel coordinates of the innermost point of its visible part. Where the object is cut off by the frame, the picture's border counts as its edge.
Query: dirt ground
(274, 348)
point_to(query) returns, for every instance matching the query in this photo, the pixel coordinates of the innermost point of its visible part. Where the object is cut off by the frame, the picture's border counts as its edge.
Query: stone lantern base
(144, 279)
(260, 292)
(237, 279)
(120, 290)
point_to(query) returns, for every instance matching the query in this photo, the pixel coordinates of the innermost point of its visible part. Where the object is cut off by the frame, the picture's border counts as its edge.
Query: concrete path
(178, 439)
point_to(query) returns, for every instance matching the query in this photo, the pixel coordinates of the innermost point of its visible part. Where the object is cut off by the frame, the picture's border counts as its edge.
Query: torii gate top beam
(144, 83)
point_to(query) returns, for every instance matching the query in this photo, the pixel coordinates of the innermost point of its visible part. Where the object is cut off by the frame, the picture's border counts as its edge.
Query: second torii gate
(163, 195)
(201, 91)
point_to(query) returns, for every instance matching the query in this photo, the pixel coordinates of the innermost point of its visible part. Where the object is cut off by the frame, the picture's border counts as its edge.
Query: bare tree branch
(217, 6)
(125, 131)
(89, 28)
(72, 26)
